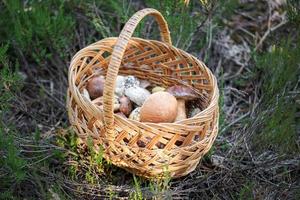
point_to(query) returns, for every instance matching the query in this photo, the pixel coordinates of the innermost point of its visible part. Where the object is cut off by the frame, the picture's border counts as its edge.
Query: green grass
(280, 70)
(34, 33)
(159, 188)
(11, 163)
(293, 11)
(246, 192)
(37, 28)
(181, 23)
(137, 193)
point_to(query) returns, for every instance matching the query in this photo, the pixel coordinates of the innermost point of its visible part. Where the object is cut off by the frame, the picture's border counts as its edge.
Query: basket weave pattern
(146, 149)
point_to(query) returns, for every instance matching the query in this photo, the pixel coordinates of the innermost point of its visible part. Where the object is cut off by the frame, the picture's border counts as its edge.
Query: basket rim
(215, 93)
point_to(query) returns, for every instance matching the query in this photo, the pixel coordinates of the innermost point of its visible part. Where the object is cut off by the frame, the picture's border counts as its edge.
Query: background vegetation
(252, 47)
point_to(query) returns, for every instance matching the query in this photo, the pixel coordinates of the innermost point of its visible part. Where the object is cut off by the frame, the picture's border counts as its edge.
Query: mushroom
(85, 93)
(125, 105)
(159, 107)
(158, 89)
(95, 86)
(125, 82)
(135, 114)
(182, 94)
(120, 86)
(137, 94)
(131, 81)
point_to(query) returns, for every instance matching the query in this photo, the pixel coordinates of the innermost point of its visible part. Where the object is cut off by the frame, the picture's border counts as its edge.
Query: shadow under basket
(151, 150)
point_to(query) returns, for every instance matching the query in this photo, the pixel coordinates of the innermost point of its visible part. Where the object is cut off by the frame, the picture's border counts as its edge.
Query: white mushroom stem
(181, 113)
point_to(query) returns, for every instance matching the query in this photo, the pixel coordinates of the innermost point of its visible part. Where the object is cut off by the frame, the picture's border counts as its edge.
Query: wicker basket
(175, 147)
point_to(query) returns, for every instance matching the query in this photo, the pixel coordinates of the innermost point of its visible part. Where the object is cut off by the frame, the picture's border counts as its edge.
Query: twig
(234, 122)
(270, 29)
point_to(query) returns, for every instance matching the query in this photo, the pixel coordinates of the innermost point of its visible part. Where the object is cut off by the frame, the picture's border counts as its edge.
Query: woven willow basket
(173, 147)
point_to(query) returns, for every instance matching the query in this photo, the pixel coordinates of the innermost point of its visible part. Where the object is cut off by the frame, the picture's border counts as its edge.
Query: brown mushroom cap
(125, 105)
(159, 107)
(182, 92)
(95, 87)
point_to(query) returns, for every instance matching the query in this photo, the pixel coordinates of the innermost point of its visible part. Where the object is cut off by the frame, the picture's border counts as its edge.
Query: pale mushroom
(86, 94)
(125, 82)
(137, 94)
(158, 89)
(131, 81)
(135, 114)
(120, 85)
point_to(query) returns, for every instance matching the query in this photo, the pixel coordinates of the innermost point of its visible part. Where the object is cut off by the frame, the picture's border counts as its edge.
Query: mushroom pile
(142, 101)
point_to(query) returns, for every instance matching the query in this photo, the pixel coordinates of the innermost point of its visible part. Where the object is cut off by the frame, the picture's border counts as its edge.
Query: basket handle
(116, 58)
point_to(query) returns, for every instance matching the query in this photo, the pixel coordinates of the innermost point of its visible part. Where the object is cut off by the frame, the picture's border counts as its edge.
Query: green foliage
(137, 193)
(159, 187)
(177, 15)
(112, 194)
(246, 193)
(279, 130)
(9, 81)
(37, 28)
(228, 7)
(11, 162)
(105, 17)
(280, 69)
(7, 195)
(87, 163)
(293, 11)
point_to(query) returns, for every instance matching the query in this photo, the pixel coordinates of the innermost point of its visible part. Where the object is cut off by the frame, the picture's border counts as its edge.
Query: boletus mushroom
(125, 105)
(159, 107)
(135, 114)
(182, 94)
(137, 95)
(95, 87)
